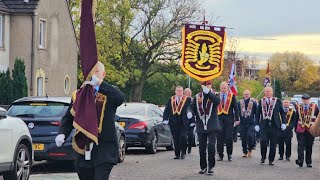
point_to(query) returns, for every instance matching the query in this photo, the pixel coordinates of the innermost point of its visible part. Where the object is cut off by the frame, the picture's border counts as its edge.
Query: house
(41, 33)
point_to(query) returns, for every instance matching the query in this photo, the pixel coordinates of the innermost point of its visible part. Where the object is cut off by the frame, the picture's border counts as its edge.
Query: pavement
(141, 166)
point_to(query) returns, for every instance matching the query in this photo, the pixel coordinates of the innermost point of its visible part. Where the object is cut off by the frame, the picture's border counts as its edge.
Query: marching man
(175, 114)
(285, 137)
(204, 108)
(228, 117)
(307, 116)
(270, 119)
(248, 110)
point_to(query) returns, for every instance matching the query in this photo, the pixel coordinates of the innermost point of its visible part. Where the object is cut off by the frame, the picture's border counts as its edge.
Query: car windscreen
(131, 110)
(38, 109)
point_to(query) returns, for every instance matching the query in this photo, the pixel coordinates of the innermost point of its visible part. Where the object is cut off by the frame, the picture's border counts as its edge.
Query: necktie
(285, 109)
(223, 99)
(178, 100)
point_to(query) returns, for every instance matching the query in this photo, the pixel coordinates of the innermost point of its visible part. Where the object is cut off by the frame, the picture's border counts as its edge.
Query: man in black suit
(247, 110)
(175, 114)
(204, 108)
(270, 118)
(104, 155)
(187, 92)
(285, 137)
(228, 117)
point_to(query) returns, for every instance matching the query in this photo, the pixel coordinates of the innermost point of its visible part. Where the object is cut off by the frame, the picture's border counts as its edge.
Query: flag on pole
(267, 81)
(232, 81)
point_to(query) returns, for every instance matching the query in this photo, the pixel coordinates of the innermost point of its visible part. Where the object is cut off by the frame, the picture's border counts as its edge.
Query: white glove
(192, 124)
(205, 89)
(93, 82)
(165, 122)
(189, 115)
(283, 127)
(257, 128)
(60, 140)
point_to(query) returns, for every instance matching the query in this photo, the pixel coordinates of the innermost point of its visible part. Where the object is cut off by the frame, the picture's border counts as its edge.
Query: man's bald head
(100, 70)
(268, 92)
(224, 87)
(246, 94)
(187, 92)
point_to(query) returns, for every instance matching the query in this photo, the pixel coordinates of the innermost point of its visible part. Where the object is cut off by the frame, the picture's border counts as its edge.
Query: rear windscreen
(38, 109)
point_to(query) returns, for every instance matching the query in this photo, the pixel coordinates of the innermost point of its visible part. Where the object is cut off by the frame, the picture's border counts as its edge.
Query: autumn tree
(294, 70)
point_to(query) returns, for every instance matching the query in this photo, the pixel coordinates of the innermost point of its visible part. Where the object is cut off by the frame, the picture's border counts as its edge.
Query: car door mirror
(116, 118)
(3, 113)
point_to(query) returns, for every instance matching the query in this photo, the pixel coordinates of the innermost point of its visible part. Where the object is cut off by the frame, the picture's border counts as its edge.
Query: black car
(144, 126)
(43, 116)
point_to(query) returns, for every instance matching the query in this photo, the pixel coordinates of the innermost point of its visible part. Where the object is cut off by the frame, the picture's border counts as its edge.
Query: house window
(67, 84)
(42, 33)
(1, 31)
(40, 86)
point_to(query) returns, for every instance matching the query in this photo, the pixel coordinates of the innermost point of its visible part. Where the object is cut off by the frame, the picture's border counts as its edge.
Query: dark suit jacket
(108, 148)
(250, 119)
(213, 124)
(278, 116)
(174, 120)
(233, 113)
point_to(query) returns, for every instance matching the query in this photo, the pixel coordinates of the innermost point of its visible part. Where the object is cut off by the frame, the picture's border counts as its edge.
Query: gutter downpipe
(32, 54)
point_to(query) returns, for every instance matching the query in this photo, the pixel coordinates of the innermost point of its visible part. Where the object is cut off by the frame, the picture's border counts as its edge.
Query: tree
(6, 88)
(294, 70)
(19, 80)
(278, 89)
(138, 38)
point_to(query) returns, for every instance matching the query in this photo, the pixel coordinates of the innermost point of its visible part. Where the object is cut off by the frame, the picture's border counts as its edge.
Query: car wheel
(171, 147)
(152, 148)
(122, 149)
(22, 165)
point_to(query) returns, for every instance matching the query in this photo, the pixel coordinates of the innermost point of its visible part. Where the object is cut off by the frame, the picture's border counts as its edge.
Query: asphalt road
(161, 166)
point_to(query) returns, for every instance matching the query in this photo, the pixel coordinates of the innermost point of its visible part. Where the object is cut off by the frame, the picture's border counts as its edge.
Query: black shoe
(220, 158)
(229, 158)
(210, 171)
(183, 155)
(189, 150)
(271, 163)
(309, 165)
(177, 157)
(288, 158)
(299, 163)
(202, 171)
(280, 158)
(262, 161)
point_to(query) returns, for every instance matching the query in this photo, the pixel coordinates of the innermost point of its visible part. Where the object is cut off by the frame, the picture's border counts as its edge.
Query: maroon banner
(203, 51)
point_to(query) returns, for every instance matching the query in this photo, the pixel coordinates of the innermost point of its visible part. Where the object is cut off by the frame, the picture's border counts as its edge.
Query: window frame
(42, 33)
(2, 29)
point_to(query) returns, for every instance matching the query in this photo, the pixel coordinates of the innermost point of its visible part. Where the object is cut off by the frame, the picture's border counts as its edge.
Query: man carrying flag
(92, 110)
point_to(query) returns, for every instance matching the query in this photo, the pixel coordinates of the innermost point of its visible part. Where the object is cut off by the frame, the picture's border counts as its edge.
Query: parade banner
(203, 51)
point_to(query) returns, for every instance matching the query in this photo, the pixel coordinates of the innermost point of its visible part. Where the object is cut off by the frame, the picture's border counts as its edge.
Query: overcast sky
(266, 27)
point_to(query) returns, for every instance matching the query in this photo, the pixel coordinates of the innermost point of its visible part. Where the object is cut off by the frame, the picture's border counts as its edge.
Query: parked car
(43, 116)
(144, 126)
(195, 135)
(16, 152)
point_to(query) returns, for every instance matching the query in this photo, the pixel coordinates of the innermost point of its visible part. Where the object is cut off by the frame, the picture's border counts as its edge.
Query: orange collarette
(176, 109)
(225, 109)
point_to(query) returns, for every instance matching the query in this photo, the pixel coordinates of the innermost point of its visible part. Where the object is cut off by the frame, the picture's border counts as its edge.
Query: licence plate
(123, 124)
(38, 147)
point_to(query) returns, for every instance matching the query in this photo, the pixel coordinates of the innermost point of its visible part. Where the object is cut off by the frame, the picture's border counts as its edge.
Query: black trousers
(207, 143)
(247, 137)
(235, 133)
(285, 139)
(225, 136)
(305, 143)
(190, 137)
(179, 134)
(100, 172)
(269, 134)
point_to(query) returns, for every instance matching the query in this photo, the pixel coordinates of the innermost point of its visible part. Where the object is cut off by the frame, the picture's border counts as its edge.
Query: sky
(262, 28)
